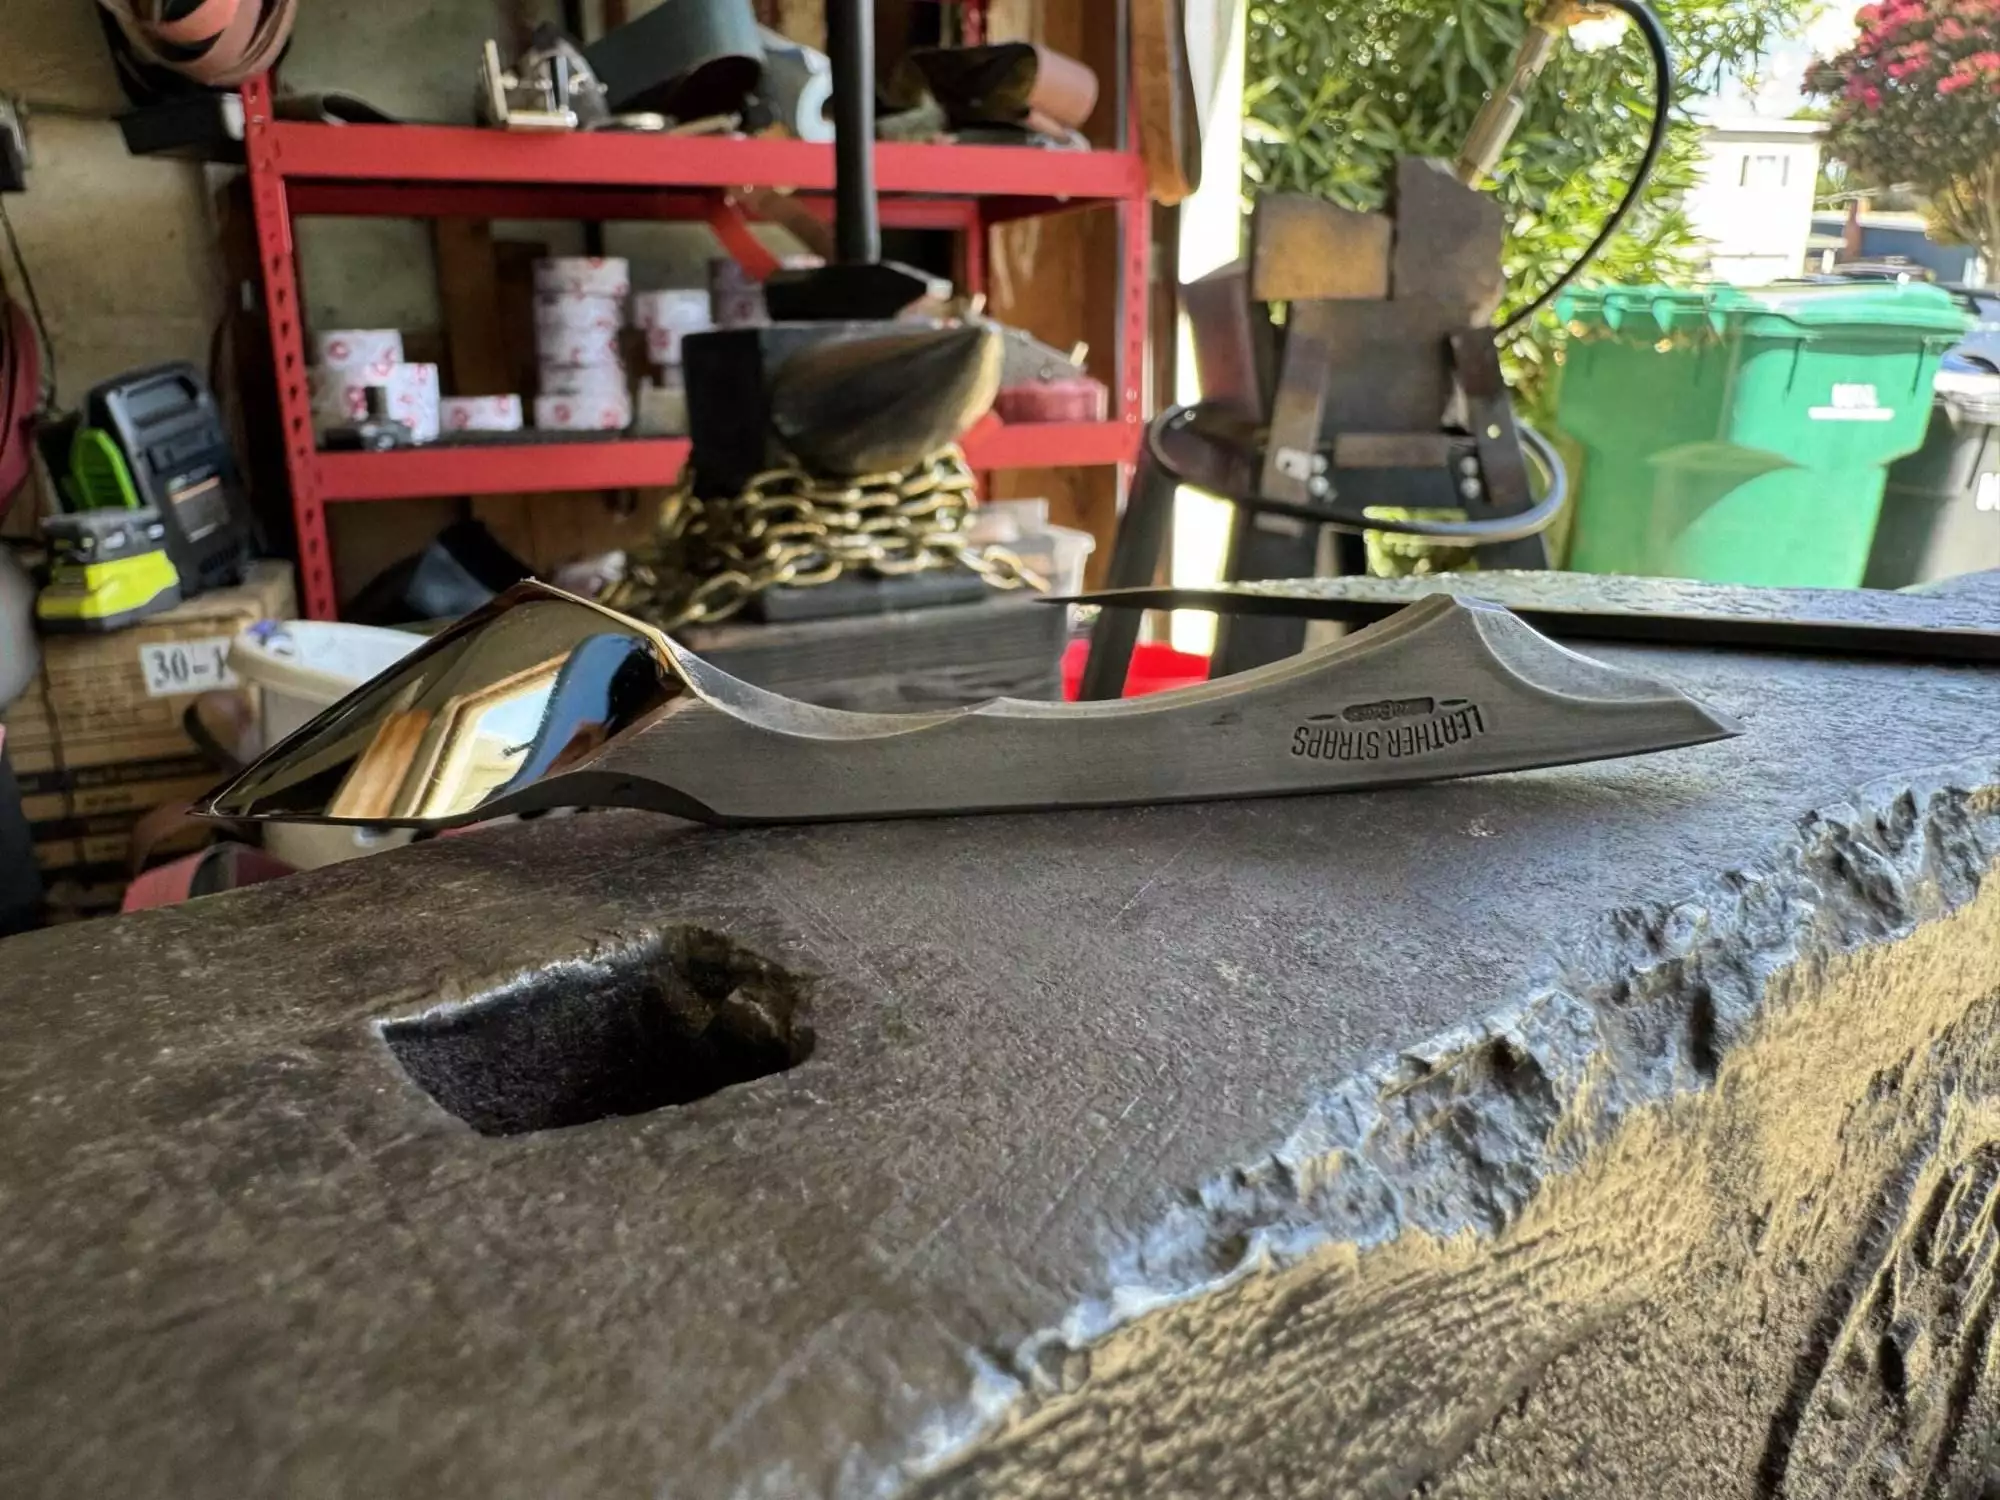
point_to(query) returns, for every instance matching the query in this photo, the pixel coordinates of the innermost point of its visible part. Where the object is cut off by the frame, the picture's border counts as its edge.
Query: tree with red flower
(1916, 100)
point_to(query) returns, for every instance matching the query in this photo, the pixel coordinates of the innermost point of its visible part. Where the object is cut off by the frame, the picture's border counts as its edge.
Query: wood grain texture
(478, 358)
(801, 20)
(469, 293)
(547, 529)
(1058, 277)
(1304, 248)
(1169, 122)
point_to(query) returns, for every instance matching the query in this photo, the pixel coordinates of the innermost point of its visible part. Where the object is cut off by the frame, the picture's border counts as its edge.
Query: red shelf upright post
(276, 257)
(1135, 291)
(1135, 235)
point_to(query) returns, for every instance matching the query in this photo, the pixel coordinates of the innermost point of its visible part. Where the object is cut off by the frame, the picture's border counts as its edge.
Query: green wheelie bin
(1743, 436)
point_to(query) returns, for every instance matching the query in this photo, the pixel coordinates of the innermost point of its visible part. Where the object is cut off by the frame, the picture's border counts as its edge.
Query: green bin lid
(1898, 309)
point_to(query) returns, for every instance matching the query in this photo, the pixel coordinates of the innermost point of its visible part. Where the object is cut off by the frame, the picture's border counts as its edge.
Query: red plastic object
(1155, 669)
(729, 224)
(1080, 400)
(229, 867)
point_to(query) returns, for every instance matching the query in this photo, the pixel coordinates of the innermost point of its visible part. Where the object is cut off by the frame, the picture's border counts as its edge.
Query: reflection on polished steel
(512, 698)
(544, 700)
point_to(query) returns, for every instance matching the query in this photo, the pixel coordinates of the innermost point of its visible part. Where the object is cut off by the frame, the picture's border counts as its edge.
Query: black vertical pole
(1145, 532)
(850, 35)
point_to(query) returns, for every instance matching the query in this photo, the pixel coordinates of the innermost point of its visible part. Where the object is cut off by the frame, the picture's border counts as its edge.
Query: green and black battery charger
(108, 563)
(153, 504)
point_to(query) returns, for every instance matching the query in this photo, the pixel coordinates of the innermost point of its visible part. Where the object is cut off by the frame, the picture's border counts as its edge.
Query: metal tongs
(541, 700)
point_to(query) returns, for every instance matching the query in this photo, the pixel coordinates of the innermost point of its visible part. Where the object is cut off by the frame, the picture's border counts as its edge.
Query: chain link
(707, 559)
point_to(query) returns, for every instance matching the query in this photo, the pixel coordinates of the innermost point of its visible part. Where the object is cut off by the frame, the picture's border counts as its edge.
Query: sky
(1778, 91)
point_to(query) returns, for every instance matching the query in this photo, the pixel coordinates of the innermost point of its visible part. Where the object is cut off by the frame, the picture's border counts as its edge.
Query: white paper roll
(481, 414)
(581, 349)
(689, 309)
(340, 398)
(735, 300)
(584, 380)
(361, 351)
(573, 312)
(607, 413)
(668, 317)
(413, 398)
(588, 275)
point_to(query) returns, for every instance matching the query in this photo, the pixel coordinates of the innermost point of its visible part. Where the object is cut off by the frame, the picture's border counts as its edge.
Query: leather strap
(222, 62)
(205, 22)
(242, 37)
(220, 867)
(156, 827)
(1078, 400)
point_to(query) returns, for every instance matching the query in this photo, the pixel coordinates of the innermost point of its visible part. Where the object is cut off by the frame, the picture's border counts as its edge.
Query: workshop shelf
(497, 468)
(427, 171)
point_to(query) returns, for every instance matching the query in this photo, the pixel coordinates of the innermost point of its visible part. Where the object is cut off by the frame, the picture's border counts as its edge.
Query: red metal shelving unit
(419, 171)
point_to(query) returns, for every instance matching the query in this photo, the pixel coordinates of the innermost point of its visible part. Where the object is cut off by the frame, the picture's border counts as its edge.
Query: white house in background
(1753, 200)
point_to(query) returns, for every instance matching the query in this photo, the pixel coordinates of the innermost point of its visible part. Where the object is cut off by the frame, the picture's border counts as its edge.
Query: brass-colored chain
(707, 559)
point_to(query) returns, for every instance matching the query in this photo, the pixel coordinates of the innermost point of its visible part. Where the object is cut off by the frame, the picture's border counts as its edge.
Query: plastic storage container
(1744, 436)
(303, 667)
(1156, 668)
(1941, 514)
(1057, 553)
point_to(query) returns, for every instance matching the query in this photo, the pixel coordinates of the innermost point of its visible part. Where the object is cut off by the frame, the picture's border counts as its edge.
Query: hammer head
(848, 293)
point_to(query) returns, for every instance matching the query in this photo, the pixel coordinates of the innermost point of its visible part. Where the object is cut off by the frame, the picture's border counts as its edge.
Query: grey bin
(1941, 511)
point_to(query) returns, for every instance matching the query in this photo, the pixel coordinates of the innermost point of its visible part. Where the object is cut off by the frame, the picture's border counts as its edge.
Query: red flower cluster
(1917, 97)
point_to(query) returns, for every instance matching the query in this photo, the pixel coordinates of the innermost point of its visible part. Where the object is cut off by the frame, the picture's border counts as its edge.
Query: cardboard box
(57, 854)
(132, 787)
(96, 741)
(105, 839)
(81, 823)
(73, 894)
(117, 698)
(86, 860)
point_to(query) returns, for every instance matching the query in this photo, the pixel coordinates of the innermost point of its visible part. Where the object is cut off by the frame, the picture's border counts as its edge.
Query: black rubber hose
(1656, 139)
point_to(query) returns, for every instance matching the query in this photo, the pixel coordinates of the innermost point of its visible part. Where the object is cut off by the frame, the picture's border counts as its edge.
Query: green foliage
(1337, 89)
(1917, 99)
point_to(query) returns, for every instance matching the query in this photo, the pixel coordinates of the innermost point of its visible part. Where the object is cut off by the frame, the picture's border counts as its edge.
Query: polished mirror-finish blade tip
(496, 709)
